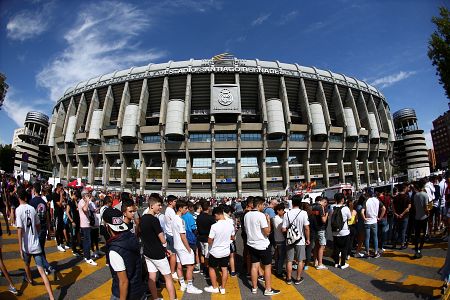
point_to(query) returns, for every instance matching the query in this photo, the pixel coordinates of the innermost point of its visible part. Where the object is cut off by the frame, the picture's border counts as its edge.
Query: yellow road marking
(374, 270)
(288, 291)
(66, 277)
(17, 263)
(426, 261)
(101, 292)
(232, 290)
(15, 247)
(423, 285)
(337, 286)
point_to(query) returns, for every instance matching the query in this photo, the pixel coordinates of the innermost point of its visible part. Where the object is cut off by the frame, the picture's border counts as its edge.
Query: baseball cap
(114, 218)
(370, 191)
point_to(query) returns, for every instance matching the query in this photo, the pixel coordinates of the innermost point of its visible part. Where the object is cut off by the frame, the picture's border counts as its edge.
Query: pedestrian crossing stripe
(288, 291)
(425, 261)
(101, 292)
(232, 291)
(14, 247)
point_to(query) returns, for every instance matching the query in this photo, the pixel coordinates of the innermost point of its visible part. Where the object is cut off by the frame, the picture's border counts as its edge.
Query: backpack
(293, 235)
(337, 221)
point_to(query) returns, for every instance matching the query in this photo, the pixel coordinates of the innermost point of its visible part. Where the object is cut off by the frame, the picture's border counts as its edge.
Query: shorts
(170, 245)
(193, 247)
(38, 259)
(155, 265)
(233, 247)
(296, 252)
(262, 256)
(435, 211)
(320, 237)
(184, 257)
(205, 249)
(221, 262)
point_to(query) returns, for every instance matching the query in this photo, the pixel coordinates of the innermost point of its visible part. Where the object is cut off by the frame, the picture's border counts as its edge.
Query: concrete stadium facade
(222, 127)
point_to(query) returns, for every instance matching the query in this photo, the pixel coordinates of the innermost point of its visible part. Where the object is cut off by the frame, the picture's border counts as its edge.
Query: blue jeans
(383, 230)
(42, 238)
(281, 257)
(400, 230)
(371, 229)
(86, 242)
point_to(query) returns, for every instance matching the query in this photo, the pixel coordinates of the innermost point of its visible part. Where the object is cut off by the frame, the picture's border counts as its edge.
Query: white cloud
(28, 24)
(261, 19)
(102, 40)
(391, 79)
(288, 17)
(15, 108)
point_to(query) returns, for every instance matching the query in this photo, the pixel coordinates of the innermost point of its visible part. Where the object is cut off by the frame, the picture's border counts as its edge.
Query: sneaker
(348, 257)
(289, 281)
(66, 247)
(60, 248)
(336, 266)
(196, 270)
(193, 290)
(261, 279)
(76, 254)
(183, 287)
(419, 254)
(211, 289)
(298, 281)
(233, 274)
(95, 255)
(345, 266)
(222, 290)
(254, 291)
(174, 276)
(13, 290)
(90, 261)
(50, 269)
(271, 292)
(377, 255)
(321, 267)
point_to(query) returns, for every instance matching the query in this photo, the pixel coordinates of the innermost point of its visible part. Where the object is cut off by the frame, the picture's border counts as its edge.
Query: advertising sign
(225, 99)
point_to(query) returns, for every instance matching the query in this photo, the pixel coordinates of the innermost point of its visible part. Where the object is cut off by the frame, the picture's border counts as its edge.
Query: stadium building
(222, 127)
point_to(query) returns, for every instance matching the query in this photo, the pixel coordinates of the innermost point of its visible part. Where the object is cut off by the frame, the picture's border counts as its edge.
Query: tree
(7, 155)
(439, 48)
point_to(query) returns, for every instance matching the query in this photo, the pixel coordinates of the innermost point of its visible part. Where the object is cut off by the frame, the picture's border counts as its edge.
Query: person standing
(28, 228)
(125, 258)
(219, 239)
(155, 248)
(340, 237)
(83, 209)
(257, 227)
(74, 218)
(401, 206)
(185, 254)
(280, 240)
(296, 251)
(169, 215)
(5, 273)
(421, 200)
(204, 222)
(383, 224)
(320, 240)
(372, 212)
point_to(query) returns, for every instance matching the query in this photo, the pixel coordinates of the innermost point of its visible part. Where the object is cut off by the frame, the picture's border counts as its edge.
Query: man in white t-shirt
(185, 255)
(257, 227)
(280, 240)
(28, 227)
(340, 238)
(297, 251)
(372, 212)
(219, 238)
(169, 215)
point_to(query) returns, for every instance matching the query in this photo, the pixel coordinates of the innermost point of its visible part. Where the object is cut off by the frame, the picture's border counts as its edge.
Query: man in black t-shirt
(58, 214)
(204, 222)
(319, 224)
(155, 248)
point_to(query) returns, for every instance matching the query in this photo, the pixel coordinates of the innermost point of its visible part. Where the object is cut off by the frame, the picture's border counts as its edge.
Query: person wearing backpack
(320, 223)
(296, 227)
(339, 218)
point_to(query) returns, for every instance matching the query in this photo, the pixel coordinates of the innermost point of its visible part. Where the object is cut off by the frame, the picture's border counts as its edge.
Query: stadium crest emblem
(225, 97)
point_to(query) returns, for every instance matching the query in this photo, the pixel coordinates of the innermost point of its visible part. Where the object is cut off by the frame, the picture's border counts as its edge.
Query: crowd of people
(175, 238)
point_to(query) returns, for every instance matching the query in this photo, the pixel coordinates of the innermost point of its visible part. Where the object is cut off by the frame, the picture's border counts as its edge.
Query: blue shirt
(191, 227)
(270, 212)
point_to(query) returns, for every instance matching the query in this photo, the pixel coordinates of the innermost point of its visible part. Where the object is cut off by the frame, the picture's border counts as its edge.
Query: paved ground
(394, 276)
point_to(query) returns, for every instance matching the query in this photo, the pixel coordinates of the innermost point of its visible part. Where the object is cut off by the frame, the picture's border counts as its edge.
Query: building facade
(16, 140)
(410, 150)
(222, 127)
(32, 153)
(440, 135)
(432, 159)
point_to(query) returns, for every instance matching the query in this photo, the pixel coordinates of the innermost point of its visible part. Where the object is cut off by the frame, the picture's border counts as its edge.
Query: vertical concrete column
(187, 112)
(355, 168)
(239, 149)
(123, 172)
(213, 148)
(263, 174)
(91, 169)
(285, 165)
(69, 170)
(341, 168)
(165, 163)
(142, 167)
(106, 171)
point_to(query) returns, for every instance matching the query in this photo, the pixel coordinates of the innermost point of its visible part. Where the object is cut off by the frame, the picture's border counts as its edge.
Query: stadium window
(251, 136)
(200, 137)
(298, 137)
(151, 139)
(225, 137)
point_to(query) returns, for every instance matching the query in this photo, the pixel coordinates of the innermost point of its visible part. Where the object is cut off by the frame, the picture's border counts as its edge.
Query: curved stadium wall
(223, 128)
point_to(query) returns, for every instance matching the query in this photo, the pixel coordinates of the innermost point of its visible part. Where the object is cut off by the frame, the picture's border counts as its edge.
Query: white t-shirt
(299, 218)
(178, 227)
(231, 222)
(162, 220)
(254, 222)
(346, 215)
(116, 261)
(221, 232)
(372, 209)
(169, 215)
(27, 219)
(277, 225)
(429, 188)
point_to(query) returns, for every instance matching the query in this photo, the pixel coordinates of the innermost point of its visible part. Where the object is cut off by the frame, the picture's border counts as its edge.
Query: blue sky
(48, 46)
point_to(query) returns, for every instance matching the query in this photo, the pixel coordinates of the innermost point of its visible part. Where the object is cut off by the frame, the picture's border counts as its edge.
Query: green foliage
(439, 48)
(7, 158)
